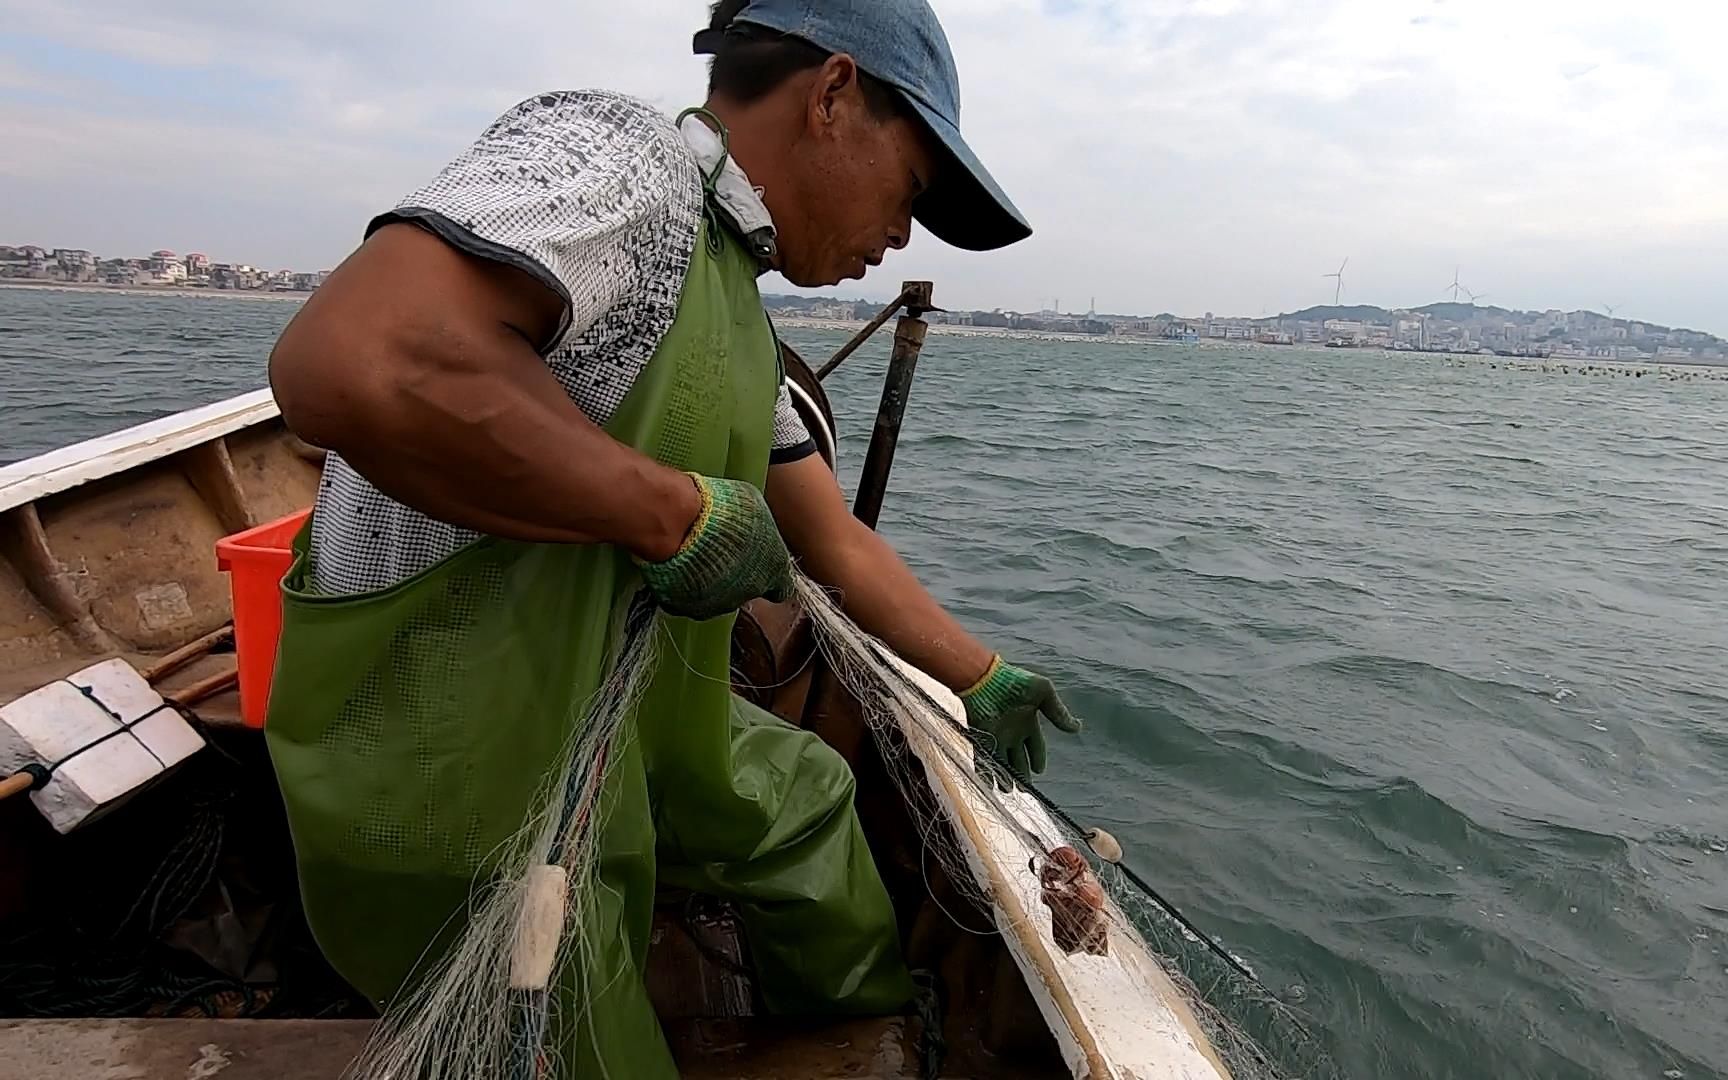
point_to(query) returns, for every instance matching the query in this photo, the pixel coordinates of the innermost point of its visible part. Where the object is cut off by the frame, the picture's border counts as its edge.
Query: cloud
(1217, 155)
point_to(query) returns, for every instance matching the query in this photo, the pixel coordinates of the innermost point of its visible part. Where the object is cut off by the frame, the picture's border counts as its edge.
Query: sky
(1206, 155)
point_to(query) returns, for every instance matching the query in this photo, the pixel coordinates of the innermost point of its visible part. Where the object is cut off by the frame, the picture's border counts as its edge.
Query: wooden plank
(24, 544)
(321, 1049)
(211, 472)
(181, 1049)
(58, 470)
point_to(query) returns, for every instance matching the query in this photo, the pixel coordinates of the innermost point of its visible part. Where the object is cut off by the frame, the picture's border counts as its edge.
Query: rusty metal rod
(896, 389)
(864, 335)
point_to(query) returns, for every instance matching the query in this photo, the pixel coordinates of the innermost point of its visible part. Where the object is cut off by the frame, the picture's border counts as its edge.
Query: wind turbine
(1610, 308)
(1474, 296)
(1456, 285)
(1338, 292)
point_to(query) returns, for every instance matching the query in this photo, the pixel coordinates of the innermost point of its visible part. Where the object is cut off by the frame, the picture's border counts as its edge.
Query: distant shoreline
(855, 325)
(149, 290)
(1562, 363)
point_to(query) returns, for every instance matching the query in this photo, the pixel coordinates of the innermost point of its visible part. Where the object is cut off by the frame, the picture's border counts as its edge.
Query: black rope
(39, 775)
(46, 772)
(929, 1005)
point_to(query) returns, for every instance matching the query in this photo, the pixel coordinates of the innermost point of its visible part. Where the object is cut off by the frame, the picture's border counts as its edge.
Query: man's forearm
(883, 597)
(521, 465)
(416, 365)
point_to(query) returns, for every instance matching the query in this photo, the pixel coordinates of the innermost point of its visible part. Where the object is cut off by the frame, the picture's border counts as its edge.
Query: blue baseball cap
(901, 43)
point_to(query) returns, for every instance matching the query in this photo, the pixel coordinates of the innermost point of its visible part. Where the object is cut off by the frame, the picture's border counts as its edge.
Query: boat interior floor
(169, 919)
(751, 1049)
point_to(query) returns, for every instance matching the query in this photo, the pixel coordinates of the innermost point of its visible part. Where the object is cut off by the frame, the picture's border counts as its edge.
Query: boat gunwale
(34, 478)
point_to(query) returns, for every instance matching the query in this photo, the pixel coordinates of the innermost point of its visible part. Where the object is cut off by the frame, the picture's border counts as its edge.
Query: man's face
(853, 176)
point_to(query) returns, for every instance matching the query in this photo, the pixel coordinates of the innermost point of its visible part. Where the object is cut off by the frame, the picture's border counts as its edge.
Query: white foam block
(94, 782)
(119, 686)
(97, 765)
(49, 724)
(169, 737)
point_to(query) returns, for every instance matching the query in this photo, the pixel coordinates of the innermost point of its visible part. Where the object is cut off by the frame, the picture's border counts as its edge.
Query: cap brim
(965, 206)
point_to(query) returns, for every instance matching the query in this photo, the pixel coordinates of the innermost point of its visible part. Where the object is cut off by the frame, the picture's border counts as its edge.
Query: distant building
(1230, 329)
(123, 272)
(165, 268)
(74, 264)
(35, 262)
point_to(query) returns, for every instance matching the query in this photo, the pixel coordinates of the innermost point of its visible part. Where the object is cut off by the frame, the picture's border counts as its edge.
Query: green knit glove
(1003, 709)
(732, 555)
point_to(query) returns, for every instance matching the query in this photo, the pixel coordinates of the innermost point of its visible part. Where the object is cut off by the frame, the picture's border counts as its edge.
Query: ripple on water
(1401, 676)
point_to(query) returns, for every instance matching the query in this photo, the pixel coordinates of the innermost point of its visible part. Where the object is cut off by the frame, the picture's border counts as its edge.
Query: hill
(1358, 312)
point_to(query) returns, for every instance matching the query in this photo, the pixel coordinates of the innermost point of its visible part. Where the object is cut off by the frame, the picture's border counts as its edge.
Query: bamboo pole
(185, 654)
(16, 784)
(186, 697)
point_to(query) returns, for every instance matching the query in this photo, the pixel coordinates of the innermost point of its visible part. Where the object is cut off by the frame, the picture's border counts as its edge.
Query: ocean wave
(1305, 603)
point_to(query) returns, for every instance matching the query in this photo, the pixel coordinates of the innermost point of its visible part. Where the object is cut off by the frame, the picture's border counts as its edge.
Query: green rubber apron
(411, 727)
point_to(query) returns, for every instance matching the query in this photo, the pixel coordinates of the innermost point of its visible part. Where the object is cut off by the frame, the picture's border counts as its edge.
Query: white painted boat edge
(1116, 1017)
(95, 459)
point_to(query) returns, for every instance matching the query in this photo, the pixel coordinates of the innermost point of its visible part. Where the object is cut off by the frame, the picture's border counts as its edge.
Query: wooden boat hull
(106, 548)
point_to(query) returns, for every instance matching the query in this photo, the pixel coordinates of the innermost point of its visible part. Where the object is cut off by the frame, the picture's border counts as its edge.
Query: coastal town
(160, 269)
(1446, 327)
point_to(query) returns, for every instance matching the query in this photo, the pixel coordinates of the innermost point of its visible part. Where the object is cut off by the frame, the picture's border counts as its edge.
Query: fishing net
(918, 728)
(486, 1007)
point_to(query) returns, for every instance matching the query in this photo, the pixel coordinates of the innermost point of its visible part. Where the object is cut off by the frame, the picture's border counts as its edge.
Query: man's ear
(837, 76)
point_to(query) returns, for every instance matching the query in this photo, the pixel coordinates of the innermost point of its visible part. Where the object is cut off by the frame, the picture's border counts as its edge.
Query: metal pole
(896, 388)
(864, 335)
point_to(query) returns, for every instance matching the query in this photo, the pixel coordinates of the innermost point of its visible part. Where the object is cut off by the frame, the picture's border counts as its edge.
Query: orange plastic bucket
(257, 560)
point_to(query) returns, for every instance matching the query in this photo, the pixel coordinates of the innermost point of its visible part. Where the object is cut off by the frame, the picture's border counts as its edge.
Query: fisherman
(546, 380)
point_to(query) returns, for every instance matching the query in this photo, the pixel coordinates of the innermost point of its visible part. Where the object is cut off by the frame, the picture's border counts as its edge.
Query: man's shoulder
(593, 126)
(587, 161)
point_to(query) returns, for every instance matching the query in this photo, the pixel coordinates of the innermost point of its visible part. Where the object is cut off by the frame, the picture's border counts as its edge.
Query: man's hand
(1003, 702)
(732, 555)
(1003, 709)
